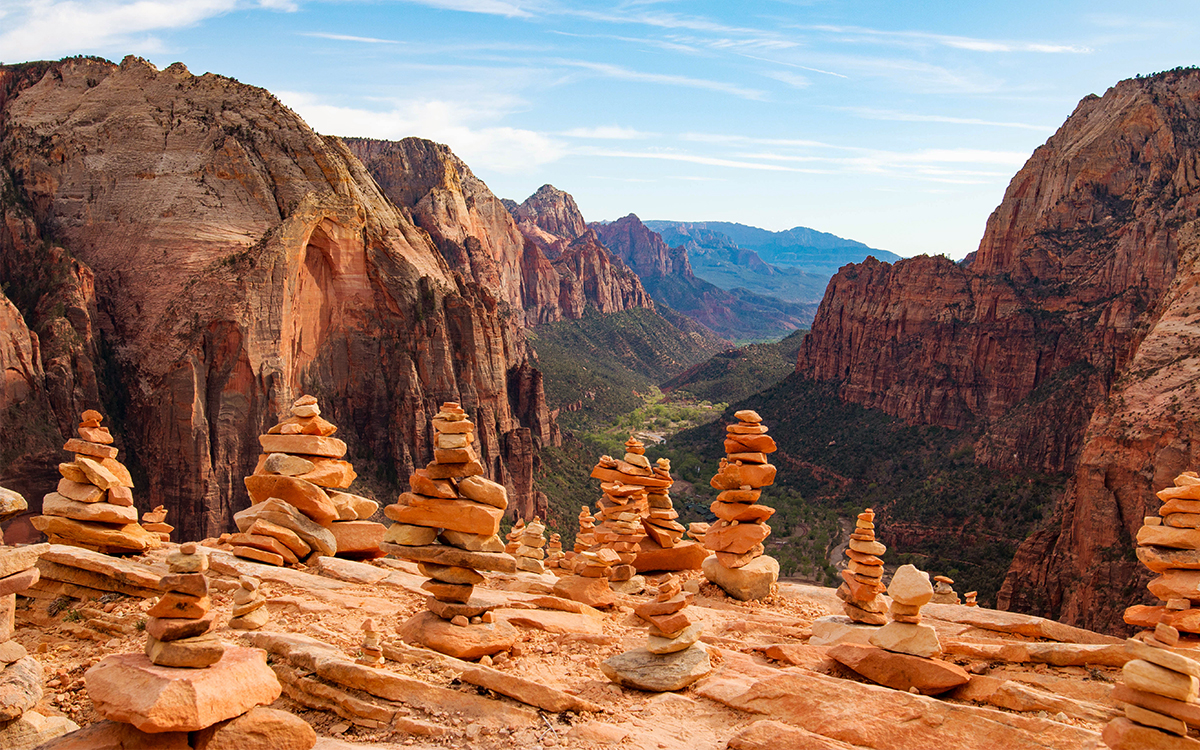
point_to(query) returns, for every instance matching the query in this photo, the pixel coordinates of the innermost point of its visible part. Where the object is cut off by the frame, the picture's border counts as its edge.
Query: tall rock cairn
(512, 539)
(660, 523)
(178, 631)
(448, 524)
(862, 578)
(93, 506)
(626, 484)
(554, 553)
(302, 467)
(586, 538)
(1160, 692)
(530, 552)
(1169, 545)
(737, 536)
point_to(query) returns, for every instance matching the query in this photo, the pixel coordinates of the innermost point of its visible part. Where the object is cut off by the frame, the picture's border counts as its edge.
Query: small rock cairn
(20, 673)
(586, 538)
(943, 590)
(93, 507)
(1159, 689)
(660, 524)
(862, 579)
(554, 553)
(448, 524)
(529, 552)
(739, 565)
(969, 599)
(512, 539)
(1169, 545)
(178, 631)
(626, 483)
(910, 590)
(372, 648)
(672, 658)
(249, 605)
(155, 521)
(300, 467)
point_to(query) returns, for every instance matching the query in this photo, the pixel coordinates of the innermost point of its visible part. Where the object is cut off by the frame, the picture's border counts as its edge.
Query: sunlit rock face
(206, 258)
(1068, 338)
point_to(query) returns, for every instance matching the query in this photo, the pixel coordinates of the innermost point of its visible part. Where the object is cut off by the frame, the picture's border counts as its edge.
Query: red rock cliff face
(642, 249)
(1056, 337)
(239, 259)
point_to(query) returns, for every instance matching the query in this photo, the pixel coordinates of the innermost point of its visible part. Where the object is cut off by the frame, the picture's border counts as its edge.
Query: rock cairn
(969, 599)
(178, 633)
(672, 658)
(739, 565)
(529, 552)
(586, 538)
(448, 524)
(589, 582)
(20, 673)
(625, 483)
(943, 590)
(155, 521)
(1169, 545)
(372, 648)
(1160, 690)
(862, 579)
(512, 539)
(93, 506)
(302, 467)
(910, 590)
(249, 605)
(554, 553)
(697, 530)
(660, 523)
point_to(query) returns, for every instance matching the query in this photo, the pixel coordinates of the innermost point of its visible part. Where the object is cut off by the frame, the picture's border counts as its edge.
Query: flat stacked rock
(697, 530)
(178, 633)
(672, 658)
(302, 466)
(589, 582)
(900, 654)
(739, 565)
(93, 506)
(529, 553)
(448, 524)
(1169, 545)
(155, 521)
(1159, 689)
(20, 673)
(249, 605)
(943, 591)
(862, 579)
(512, 539)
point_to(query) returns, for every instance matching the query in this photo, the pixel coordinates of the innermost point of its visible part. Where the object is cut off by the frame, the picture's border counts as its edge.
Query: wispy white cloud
(467, 129)
(348, 38)
(711, 161)
(41, 29)
(893, 116)
(923, 38)
(794, 80)
(745, 139)
(486, 7)
(608, 132)
(625, 74)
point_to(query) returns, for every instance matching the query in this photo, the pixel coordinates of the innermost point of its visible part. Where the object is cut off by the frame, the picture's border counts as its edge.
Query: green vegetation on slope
(938, 509)
(738, 373)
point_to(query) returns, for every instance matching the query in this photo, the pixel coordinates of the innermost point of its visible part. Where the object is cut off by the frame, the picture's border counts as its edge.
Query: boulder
(683, 556)
(258, 729)
(594, 592)
(110, 735)
(907, 638)
(11, 504)
(900, 671)
(358, 540)
(20, 687)
(751, 581)
(461, 642)
(658, 673)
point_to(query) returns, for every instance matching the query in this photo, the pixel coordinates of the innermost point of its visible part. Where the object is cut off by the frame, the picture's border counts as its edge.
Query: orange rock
(594, 592)
(741, 511)
(469, 642)
(1123, 734)
(179, 606)
(307, 497)
(268, 543)
(900, 671)
(358, 540)
(738, 539)
(458, 515)
(420, 483)
(85, 448)
(683, 556)
(258, 729)
(1189, 712)
(95, 435)
(119, 471)
(258, 555)
(454, 471)
(314, 445)
(732, 560)
(735, 476)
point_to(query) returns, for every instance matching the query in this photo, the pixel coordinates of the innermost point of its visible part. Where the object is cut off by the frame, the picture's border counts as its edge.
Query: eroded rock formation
(1069, 337)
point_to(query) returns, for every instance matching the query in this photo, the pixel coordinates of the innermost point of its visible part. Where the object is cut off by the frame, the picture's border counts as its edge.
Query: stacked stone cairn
(862, 579)
(739, 565)
(910, 590)
(302, 467)
(513, 538)
(943, 591)
(529, 552)
(586, 538)
(554, 553)
(372, 648)
(1169, 545)
(589, 581)
(697, 530)
(155, 521)
(20, 673)
(178, 633)
(626, 483)
(93, 506)
(1160, 690)
(249, 605)
(673, 657)
(969, 599)
(448, 524)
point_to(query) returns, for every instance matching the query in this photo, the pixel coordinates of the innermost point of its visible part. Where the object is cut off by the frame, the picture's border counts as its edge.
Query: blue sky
(897, 124)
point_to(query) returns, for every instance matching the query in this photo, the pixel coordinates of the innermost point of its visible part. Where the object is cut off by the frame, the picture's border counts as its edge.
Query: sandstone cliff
(200, 257)
(1063, 339)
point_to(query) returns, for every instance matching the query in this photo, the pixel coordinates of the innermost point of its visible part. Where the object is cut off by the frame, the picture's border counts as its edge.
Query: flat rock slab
(751, 581)
(460, 641)
(834, 629)
(350, 571)
(20, 687)
(900, 671)
(594, 592)
(16, 559)
(1013, 622)
(683, 556)
(551, 621)
(657, 673)
(1058, 654)
(885, 719)
(775, 735)
(113, 735)
(258, 729)
(129, 688)
(227, 564)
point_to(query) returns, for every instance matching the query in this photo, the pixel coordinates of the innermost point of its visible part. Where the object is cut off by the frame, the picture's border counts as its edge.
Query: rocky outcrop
(215, 258)
(642, 249)
(1064, 339)
(551, 219)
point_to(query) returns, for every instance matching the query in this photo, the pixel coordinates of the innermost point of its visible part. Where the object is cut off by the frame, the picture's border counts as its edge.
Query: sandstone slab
(112, 735)
(313, 445)
(900, 671)
(128, 538)
(20, 687)
(683, 556)
(358, 540)
(461, 642)
(306, 497)
(751, 581)
(658, 673)
(444, 555)
(1123, 734)
(258, 729)
(17, 559)
(282, 514)
(458, 515)
(594, 592)
(56, 504)
(129, 688)
(907, 638)
(18, 582)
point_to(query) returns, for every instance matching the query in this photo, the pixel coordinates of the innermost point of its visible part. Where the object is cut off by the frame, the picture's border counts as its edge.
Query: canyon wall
(193, 257)
(1062, 340)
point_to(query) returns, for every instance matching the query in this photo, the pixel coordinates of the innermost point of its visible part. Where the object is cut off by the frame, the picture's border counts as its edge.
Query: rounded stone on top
(91, 415)
(943, 579)
(747, 415)
(910, 586)
(305, 401)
